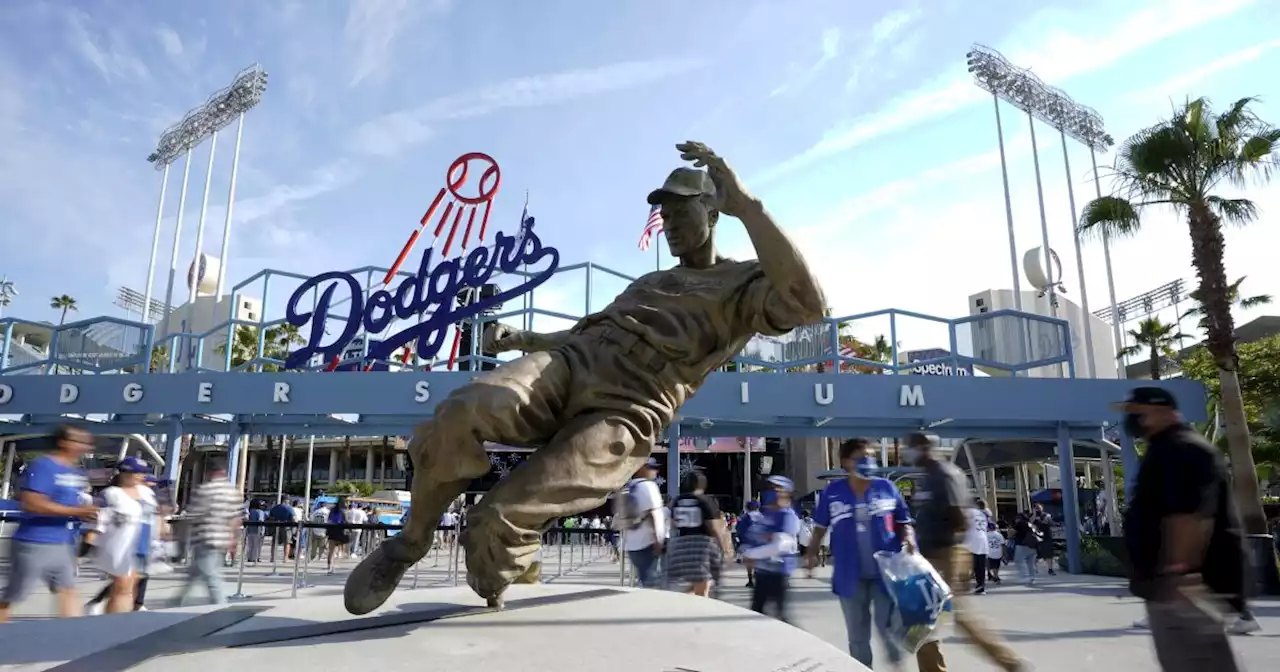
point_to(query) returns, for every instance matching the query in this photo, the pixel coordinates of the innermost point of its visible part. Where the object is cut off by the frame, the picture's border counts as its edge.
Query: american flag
(651, 228)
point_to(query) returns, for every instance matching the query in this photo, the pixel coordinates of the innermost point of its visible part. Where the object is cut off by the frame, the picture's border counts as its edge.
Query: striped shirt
(215, 505)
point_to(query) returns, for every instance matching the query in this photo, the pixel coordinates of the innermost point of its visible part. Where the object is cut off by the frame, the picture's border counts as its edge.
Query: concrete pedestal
(544, 627)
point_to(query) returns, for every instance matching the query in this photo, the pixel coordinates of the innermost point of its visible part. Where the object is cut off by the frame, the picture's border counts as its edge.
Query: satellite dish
(1033, 266)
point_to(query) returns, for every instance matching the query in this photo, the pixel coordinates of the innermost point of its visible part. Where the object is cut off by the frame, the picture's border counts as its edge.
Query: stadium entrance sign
(431, 292)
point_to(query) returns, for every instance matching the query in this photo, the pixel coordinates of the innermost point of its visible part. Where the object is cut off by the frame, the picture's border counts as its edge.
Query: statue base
(565, 628)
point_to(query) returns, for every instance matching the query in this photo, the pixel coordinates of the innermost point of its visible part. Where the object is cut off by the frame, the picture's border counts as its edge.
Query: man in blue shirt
(44, 545)
(864, 514)
(771, 546)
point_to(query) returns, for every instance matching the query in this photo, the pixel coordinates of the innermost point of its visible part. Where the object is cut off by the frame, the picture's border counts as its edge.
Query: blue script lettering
(433, 291)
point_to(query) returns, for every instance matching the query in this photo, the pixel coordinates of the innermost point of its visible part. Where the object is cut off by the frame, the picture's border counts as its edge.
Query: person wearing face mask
(942, 500)
(772, 547)
(864, 514)
(1183, 536)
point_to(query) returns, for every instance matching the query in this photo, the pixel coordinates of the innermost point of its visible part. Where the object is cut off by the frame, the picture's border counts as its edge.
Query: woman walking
(124, 536)
(337, 536)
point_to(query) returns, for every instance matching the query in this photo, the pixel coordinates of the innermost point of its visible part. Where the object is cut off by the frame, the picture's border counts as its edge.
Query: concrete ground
(1066, 623)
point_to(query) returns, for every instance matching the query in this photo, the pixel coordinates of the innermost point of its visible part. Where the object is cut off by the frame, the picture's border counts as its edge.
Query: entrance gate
(760, 399)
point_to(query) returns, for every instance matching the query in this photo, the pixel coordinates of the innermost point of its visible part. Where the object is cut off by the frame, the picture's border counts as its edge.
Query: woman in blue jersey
(771, 547)
(864, 514)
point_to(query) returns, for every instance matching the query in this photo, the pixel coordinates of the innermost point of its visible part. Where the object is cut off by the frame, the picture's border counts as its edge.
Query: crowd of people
(1182, 534)
(120, 532)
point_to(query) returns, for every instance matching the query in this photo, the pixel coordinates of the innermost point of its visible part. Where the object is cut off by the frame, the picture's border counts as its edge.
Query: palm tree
(1233, 295)
(276, 345)
(1181, 163)
(63, 303)
(1157, 340)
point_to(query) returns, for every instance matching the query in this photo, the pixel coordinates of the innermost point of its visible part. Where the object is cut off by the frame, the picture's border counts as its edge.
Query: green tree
(1260, 383)
(1155, 339)
(1181, 163)
(1233, 295)
(277, 343)
(63, 303)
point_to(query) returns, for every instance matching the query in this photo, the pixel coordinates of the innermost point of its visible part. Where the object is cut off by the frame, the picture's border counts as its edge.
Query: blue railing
(1026, 330)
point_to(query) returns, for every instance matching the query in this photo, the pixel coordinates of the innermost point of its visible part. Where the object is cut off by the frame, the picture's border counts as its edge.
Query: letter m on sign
(911, 395)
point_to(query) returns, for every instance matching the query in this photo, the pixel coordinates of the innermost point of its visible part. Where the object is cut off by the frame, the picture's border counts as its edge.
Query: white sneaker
(1243, 626)
(94, 609)
(1143, 623)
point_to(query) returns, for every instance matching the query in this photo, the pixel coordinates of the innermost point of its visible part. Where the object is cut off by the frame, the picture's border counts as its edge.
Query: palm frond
(1109, 217)
(1234, 211)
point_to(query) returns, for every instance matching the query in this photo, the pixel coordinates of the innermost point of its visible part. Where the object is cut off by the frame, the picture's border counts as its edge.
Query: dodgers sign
(432, 291)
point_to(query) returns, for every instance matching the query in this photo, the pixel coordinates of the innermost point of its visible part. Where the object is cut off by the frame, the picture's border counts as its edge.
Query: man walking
(643, 524)
(941, 520)
(215, 513)
(1183, 535)
(865, 514)
(43, 547)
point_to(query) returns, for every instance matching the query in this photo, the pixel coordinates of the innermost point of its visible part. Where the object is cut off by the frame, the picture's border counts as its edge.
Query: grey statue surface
(594, 399)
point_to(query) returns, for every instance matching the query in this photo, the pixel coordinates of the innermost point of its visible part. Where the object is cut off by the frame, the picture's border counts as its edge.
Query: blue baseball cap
(753, 505)
(133, 465)
(781, 483)
(652, 463)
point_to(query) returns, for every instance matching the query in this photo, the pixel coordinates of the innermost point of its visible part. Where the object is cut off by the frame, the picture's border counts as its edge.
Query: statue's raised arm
(781, 262)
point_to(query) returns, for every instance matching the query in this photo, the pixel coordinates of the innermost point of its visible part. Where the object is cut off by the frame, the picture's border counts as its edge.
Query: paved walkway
(1068, 623)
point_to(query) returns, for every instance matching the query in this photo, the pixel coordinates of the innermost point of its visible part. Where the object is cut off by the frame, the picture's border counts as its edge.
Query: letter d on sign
(6, 394)
(68, 394)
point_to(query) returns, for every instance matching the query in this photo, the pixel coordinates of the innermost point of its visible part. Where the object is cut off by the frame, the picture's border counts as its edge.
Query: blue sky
(855, 122)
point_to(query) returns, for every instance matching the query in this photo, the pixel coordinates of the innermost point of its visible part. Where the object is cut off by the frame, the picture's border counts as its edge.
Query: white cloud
(802, 76)
(372, 28)
(886, 36)
(1055, 56)
(170, 42)
(1181, 84)
(110, 56)
(395, 132)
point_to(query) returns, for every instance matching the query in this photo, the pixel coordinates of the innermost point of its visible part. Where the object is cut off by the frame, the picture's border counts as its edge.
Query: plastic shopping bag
(919, 593)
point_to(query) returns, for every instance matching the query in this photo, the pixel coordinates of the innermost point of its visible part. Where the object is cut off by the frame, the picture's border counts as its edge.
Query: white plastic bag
(919, 593)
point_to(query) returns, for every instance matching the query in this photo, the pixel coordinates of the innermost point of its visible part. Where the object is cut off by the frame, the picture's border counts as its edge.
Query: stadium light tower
(224, 106)
(1022, 89)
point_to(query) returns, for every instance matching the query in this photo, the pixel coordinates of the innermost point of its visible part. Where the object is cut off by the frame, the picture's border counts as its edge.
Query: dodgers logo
(432, 291)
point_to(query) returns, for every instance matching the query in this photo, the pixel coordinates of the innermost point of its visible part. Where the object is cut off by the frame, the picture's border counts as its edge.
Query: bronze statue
(594, 399)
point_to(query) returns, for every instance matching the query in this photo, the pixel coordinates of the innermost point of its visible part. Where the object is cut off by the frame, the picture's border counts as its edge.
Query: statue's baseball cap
(1146, 397)
(685, 182)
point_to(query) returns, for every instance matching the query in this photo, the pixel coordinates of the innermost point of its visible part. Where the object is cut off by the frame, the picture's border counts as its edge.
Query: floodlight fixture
(1022, 89)
(222, 108)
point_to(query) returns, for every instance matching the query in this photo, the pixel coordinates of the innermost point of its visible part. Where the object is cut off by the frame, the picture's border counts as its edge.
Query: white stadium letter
(133, 393)
(281, 393)
(421, 391)
(6, 394)
(204, 393)
(69, 393)
(911, 395)
(824, 397)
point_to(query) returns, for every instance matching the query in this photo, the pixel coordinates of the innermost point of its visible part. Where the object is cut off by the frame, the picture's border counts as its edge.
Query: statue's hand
(501, 338)
(734, 197)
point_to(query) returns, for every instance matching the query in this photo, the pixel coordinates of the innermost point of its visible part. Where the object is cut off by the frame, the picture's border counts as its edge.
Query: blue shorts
(52, 564)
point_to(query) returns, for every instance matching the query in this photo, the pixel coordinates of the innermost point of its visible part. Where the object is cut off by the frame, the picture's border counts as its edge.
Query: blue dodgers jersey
(850, 520)
(62, 485)
(762, 529)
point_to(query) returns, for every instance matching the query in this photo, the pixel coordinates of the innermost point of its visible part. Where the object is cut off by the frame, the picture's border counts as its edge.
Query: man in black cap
(594, 399)
(1183, 535)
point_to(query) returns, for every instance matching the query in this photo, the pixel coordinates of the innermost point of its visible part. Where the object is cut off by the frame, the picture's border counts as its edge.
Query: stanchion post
(275, 540)
(622, 557)
(297, 560)
(560, 559)
(417, 566)
(244, 547)
(453, 540)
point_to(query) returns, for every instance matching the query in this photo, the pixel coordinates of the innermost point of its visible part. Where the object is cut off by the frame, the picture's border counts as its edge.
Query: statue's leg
(591, 457)
(519, 403)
